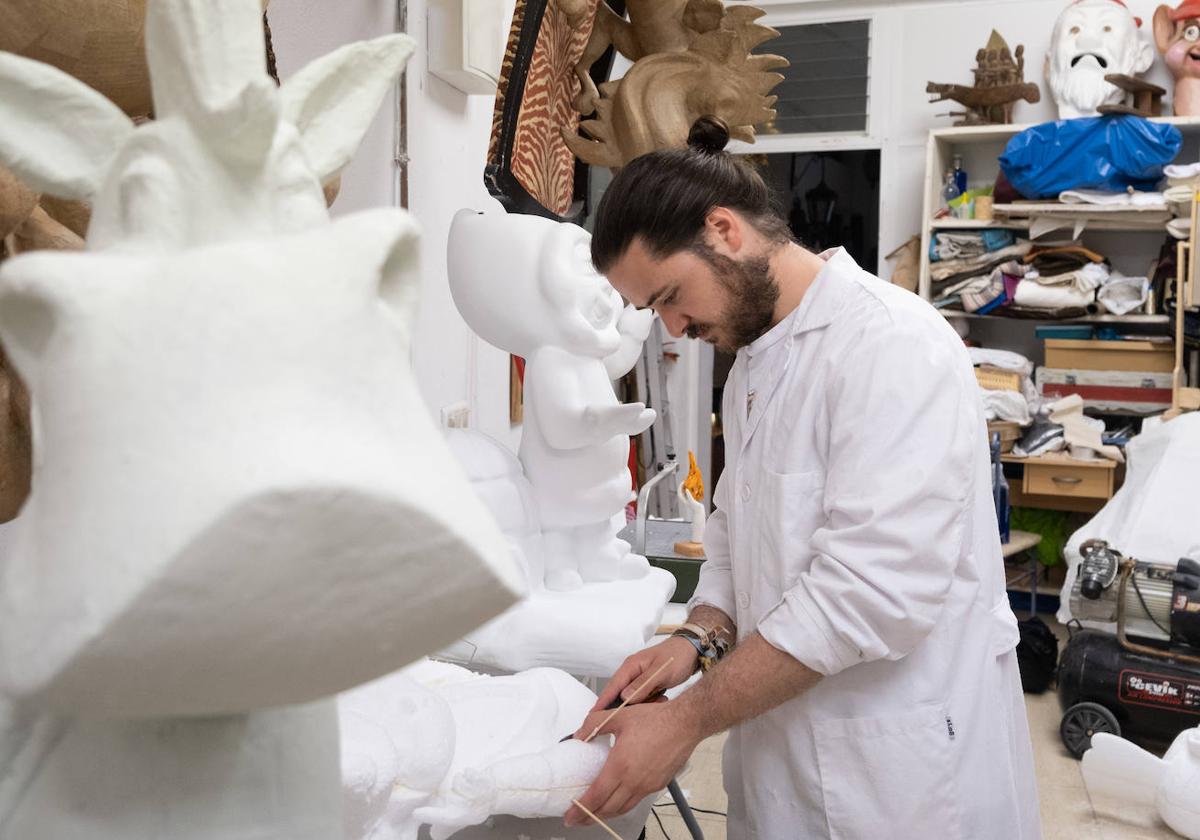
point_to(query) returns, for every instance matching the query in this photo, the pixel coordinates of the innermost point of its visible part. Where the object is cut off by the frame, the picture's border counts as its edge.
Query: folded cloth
(1180, 228)
(1036, 295)
(1003, 359)
(979, 296)
(1090, 276)
(1006, 405)
(1057, 260)
(1131, 198)
(1120, 295)
(958, 245)
(950, 271)
(1182, 171)
(1011, 281)
(950, 246)
(1180, 199)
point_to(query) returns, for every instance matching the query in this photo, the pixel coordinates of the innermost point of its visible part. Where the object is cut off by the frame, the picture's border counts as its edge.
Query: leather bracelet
(707, 643)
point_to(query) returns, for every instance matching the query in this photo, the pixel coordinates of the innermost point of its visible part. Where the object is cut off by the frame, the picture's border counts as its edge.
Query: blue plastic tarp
(1096, 153)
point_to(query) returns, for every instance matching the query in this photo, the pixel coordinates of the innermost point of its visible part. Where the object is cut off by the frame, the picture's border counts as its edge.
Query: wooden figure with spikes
(691, 58)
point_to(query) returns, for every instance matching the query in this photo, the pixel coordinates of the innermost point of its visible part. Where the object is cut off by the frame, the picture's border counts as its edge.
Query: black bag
(1037, 655)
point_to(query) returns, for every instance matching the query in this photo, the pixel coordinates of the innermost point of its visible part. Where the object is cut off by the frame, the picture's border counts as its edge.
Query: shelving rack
(981, 147)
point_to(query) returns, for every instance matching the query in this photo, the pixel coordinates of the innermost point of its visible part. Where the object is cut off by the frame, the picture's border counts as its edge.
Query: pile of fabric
(1001, 402)
(1062, 426)
(1058, 279)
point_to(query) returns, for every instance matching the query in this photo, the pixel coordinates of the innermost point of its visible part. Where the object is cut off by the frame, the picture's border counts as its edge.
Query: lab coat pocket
(890, 776)
(792, 509)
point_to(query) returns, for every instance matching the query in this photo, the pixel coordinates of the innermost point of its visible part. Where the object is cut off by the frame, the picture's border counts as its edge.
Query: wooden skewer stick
(596, 819)
(635, 693)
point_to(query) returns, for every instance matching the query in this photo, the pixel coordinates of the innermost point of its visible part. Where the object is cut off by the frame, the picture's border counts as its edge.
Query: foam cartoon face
(588, 306)
(1177, 35)
(1092, 39)
(523, 282)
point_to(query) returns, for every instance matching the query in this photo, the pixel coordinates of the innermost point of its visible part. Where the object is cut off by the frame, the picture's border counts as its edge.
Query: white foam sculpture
(1116, 770)
(438, 745)
(526, 285)
(239, 502)
(693, 512)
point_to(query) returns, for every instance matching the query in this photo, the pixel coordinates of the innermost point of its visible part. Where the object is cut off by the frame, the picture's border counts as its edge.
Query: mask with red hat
(1093, 39)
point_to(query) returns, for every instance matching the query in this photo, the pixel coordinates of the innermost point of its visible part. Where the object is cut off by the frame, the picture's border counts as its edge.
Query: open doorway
(830, 199)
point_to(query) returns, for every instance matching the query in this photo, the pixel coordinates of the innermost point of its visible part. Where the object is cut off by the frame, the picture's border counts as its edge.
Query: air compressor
(1144, 680)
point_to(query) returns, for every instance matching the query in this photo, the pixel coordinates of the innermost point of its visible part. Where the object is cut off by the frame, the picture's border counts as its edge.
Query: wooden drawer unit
(1062, 477)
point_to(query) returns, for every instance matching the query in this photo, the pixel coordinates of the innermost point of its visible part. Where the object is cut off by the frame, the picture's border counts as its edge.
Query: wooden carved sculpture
(999, 85)
(691, 58)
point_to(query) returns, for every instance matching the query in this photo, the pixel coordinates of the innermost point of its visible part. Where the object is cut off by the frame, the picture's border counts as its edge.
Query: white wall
(918, 42)
(914, 42)
(447, 145)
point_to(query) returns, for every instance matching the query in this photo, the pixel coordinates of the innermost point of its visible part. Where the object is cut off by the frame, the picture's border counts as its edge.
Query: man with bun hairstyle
(854, 568)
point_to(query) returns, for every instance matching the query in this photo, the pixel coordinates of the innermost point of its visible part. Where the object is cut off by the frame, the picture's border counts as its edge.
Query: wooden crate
(1141, 356)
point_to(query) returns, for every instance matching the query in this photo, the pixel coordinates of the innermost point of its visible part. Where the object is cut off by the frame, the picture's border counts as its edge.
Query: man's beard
(753, 295)
(1085, 89)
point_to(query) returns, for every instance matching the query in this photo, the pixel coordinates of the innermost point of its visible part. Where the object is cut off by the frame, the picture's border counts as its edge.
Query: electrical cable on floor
(693, 807)
(661, 828)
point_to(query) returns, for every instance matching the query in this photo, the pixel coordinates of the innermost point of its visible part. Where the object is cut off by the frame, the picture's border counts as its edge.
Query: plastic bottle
(960, 175)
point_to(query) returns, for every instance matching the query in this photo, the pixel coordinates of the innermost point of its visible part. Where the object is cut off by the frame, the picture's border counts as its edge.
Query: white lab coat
(855, 531)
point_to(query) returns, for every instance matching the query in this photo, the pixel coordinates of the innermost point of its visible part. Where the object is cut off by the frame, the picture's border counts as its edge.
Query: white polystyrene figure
(239, 503)
(1092, 39)
(586, 631)
(527, 285)
(438, 745)
(1115, 769)
(693, 512)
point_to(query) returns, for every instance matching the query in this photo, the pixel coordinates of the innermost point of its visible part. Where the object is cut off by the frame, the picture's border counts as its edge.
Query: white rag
(1182, 171)
(1137, 198)
(1121, 295)
(1006, 405)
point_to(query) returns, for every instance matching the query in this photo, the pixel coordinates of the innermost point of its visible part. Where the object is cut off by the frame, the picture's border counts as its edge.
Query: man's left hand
(654, 741)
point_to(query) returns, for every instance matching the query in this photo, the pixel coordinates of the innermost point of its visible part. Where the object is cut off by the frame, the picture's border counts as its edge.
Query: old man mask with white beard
(1092, 39)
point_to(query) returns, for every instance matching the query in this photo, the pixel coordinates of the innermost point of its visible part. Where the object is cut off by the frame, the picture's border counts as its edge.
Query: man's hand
(634, 671)
(654, 741)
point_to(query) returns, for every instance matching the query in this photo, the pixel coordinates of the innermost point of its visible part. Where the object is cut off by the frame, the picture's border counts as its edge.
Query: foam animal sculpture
(1117, 770)
(101, 43)
(1093, 39)
(691, 58)
(438, 745)
(239, 506)
(526, 284)
(1177, 36)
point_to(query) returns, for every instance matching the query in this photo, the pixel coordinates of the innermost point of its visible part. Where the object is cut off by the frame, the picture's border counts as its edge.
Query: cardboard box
(1109, 390)
(1151, 357)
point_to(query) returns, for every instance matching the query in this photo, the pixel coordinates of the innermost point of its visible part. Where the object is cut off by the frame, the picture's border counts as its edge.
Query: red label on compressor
(1162, 692)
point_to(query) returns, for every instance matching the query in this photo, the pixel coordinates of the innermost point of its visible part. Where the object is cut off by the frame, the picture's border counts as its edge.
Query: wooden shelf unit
(981, 147)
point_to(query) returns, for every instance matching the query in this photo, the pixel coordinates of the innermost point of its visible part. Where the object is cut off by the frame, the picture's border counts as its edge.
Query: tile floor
(1068, 813)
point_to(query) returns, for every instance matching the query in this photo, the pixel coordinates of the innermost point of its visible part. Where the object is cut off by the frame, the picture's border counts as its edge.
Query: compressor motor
(1160, 603)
